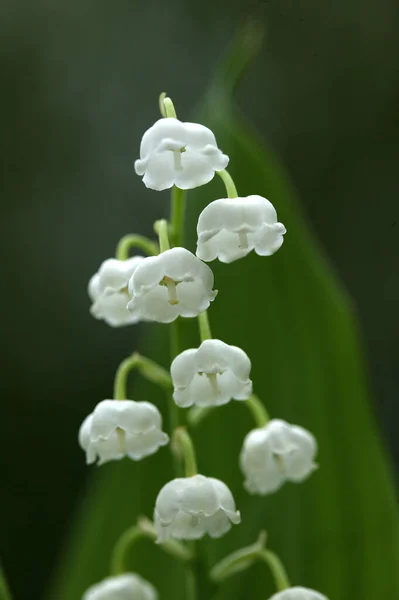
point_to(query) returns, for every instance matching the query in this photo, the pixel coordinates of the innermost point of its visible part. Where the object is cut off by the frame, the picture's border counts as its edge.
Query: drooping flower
(298, 593)
(118, 428)
(128, 586)
(188, 508)
(108, 290)
(171, 284)
(211, 375)
(276, 453)
(181, 154)
(230, 228)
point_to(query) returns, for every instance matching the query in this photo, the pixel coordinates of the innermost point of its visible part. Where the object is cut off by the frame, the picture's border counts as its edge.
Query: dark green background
(80, 82)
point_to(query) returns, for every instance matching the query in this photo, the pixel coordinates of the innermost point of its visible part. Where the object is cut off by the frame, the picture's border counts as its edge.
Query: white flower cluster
(176, 283)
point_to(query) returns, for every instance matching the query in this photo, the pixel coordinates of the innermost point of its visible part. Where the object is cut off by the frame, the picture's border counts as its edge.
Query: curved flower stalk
(211, 375)
(188, 508)
(181, 154)
(119, 428)
(298, 593)
(174, 283)
(276, 453)
(229, 228)
(128, 586)
(108, 291)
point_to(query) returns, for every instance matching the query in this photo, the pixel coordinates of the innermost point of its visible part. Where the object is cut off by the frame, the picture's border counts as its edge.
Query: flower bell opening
(212, 378)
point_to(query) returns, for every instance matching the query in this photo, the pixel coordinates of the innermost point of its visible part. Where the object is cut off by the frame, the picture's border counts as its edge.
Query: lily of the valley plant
(168, 283)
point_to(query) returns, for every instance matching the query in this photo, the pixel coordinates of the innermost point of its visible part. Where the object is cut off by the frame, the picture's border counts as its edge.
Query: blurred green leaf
(338, 532)
(5, 593)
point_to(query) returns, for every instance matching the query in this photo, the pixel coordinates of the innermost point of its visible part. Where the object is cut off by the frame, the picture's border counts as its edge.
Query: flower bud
(174, 283)
(108, 290)
(211, 375)
(118, 428)
(230, 228)
(128, 586)
(181, 154)
(276, 453)
(188, 508)
(298, 593)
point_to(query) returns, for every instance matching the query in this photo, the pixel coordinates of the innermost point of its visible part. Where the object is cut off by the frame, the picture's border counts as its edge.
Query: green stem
(146, 367)
(257, 409)
(204, 326)
(277, 568)
(161, 104)
(191, 584)
(125, 542)
(177, 215)
(143, 530)
(161, 229)
(238, 561)
(130, 241)
(196, 414)
(183, 447)
(169, 107)
(229, 183)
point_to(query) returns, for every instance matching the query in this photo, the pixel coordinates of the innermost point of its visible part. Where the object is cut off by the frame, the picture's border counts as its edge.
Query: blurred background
(80, 82)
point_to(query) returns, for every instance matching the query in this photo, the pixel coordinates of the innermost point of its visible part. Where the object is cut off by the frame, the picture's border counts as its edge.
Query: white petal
(179, 263)
(218, 524)
(122, 587)
(184, 154)
(197, 170)
(199, 496)
(298, 593)
(165, 128)
(94, 287)
(110, 448)
(167, 503)
(84, 432)
(115, 274)
(276, 453)
(183, 527)
(224, 245)
(230, 228)
(194, 298)
(154, 306)
(269, 239)
(160, 174)
(107, 416)
(141, 445)
(112, 308)
(147, 275)
(225, 498)
(108, 291)
(183, 367)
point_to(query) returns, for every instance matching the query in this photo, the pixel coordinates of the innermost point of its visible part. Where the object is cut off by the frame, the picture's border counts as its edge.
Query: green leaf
(5, 593)
(337, 532)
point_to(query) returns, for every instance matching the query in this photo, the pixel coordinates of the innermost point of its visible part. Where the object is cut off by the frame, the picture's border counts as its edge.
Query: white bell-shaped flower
(276, 453)
(230, 228)
(211, 375)
(128, 586)
(108, 290)
(298, 593)
(171, 284)
(118, 428)
(181, 154)
(188, 508)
